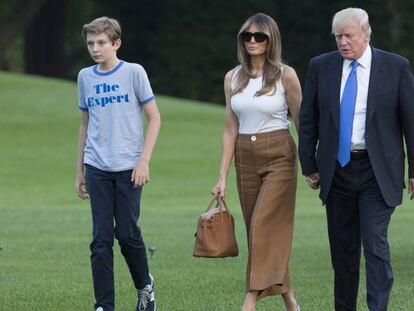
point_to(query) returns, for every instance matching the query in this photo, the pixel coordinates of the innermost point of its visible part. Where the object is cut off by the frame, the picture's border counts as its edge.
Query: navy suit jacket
(389, 119)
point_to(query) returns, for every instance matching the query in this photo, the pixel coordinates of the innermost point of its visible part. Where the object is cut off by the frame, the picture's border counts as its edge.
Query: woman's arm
(293, 93)
(228, 141)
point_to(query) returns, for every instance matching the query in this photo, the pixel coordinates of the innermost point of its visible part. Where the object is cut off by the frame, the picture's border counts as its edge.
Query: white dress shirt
(363, 74)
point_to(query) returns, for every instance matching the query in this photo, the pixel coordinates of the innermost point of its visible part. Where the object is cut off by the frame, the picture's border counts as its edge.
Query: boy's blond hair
(103, 24)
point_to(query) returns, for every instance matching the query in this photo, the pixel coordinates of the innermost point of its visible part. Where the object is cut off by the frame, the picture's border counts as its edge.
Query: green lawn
(45, 230)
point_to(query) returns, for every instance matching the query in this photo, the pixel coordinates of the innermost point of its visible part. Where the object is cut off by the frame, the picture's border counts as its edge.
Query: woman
(259, 93)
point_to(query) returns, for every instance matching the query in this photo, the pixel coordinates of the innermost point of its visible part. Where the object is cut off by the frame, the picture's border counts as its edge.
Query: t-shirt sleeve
(81, 94)
(142, 86)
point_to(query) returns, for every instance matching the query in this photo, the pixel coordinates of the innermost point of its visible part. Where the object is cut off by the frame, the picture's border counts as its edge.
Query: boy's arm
(140, 174)
(80, 183)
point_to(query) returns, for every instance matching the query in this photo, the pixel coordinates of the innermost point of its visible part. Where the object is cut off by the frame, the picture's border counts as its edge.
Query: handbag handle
(219, 202)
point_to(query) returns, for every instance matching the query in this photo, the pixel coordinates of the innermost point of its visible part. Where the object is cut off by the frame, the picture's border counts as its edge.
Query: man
(356, 110)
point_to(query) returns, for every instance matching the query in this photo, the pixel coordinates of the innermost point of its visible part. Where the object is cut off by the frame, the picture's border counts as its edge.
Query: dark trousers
(115, 211)
(357, 212)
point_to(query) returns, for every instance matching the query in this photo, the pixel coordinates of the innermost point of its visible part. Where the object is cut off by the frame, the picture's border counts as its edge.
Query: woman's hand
(219, 190)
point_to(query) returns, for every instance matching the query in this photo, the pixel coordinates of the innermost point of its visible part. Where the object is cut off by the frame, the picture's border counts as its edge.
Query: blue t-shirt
(114, 101)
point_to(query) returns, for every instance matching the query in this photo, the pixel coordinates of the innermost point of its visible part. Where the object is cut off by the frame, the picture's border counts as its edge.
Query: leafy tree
(188, 46)
(15, 16)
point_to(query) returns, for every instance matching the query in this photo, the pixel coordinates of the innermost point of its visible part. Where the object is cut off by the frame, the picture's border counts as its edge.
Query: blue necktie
(346, 117)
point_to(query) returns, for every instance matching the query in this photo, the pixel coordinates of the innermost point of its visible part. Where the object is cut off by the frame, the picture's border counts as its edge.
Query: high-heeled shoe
(297, 307)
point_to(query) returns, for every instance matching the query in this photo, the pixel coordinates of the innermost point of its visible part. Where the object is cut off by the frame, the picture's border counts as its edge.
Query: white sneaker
(100, 309)
(146, 297)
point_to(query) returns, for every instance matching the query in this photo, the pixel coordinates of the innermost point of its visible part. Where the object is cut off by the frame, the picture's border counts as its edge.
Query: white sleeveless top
(259, 114)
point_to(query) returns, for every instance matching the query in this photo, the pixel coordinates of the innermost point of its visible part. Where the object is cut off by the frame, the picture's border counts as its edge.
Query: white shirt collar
(364, 60)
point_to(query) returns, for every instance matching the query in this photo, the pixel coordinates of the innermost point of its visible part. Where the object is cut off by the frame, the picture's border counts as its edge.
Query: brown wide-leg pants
(266, 179)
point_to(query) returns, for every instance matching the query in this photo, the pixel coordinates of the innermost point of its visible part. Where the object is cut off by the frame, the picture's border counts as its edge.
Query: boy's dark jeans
(115, 211)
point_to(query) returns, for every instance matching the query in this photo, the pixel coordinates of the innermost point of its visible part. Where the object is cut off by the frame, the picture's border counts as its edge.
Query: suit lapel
(376, 81)
(334, 75)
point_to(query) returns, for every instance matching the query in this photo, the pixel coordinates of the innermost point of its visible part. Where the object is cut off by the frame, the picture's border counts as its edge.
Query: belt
(356, 153)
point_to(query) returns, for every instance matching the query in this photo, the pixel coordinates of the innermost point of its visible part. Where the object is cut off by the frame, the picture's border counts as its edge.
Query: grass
(45, 230)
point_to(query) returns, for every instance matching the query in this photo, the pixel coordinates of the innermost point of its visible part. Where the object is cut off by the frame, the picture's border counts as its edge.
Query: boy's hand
(80, 186)
(140, 174)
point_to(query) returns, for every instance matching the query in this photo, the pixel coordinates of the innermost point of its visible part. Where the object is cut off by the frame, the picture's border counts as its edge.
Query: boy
(113, 97)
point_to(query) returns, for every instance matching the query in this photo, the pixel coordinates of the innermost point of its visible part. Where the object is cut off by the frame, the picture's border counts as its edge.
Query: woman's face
(251, 38)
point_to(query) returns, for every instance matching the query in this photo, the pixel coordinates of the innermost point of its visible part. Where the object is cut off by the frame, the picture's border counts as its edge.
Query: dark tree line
(15, 16)
(188, 46)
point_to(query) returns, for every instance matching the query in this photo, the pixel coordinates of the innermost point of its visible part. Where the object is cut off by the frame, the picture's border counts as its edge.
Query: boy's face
(101, 48)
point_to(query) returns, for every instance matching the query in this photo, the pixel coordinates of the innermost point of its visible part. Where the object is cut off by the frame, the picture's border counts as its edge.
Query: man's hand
(313, 180)
(140, 174)
(80, 186)
(411, 187)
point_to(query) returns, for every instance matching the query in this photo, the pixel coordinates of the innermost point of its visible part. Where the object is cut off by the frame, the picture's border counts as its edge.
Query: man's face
(351, 41)
(101, 48)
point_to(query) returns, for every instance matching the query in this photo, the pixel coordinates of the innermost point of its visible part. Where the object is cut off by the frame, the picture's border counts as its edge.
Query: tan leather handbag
(215, 235)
